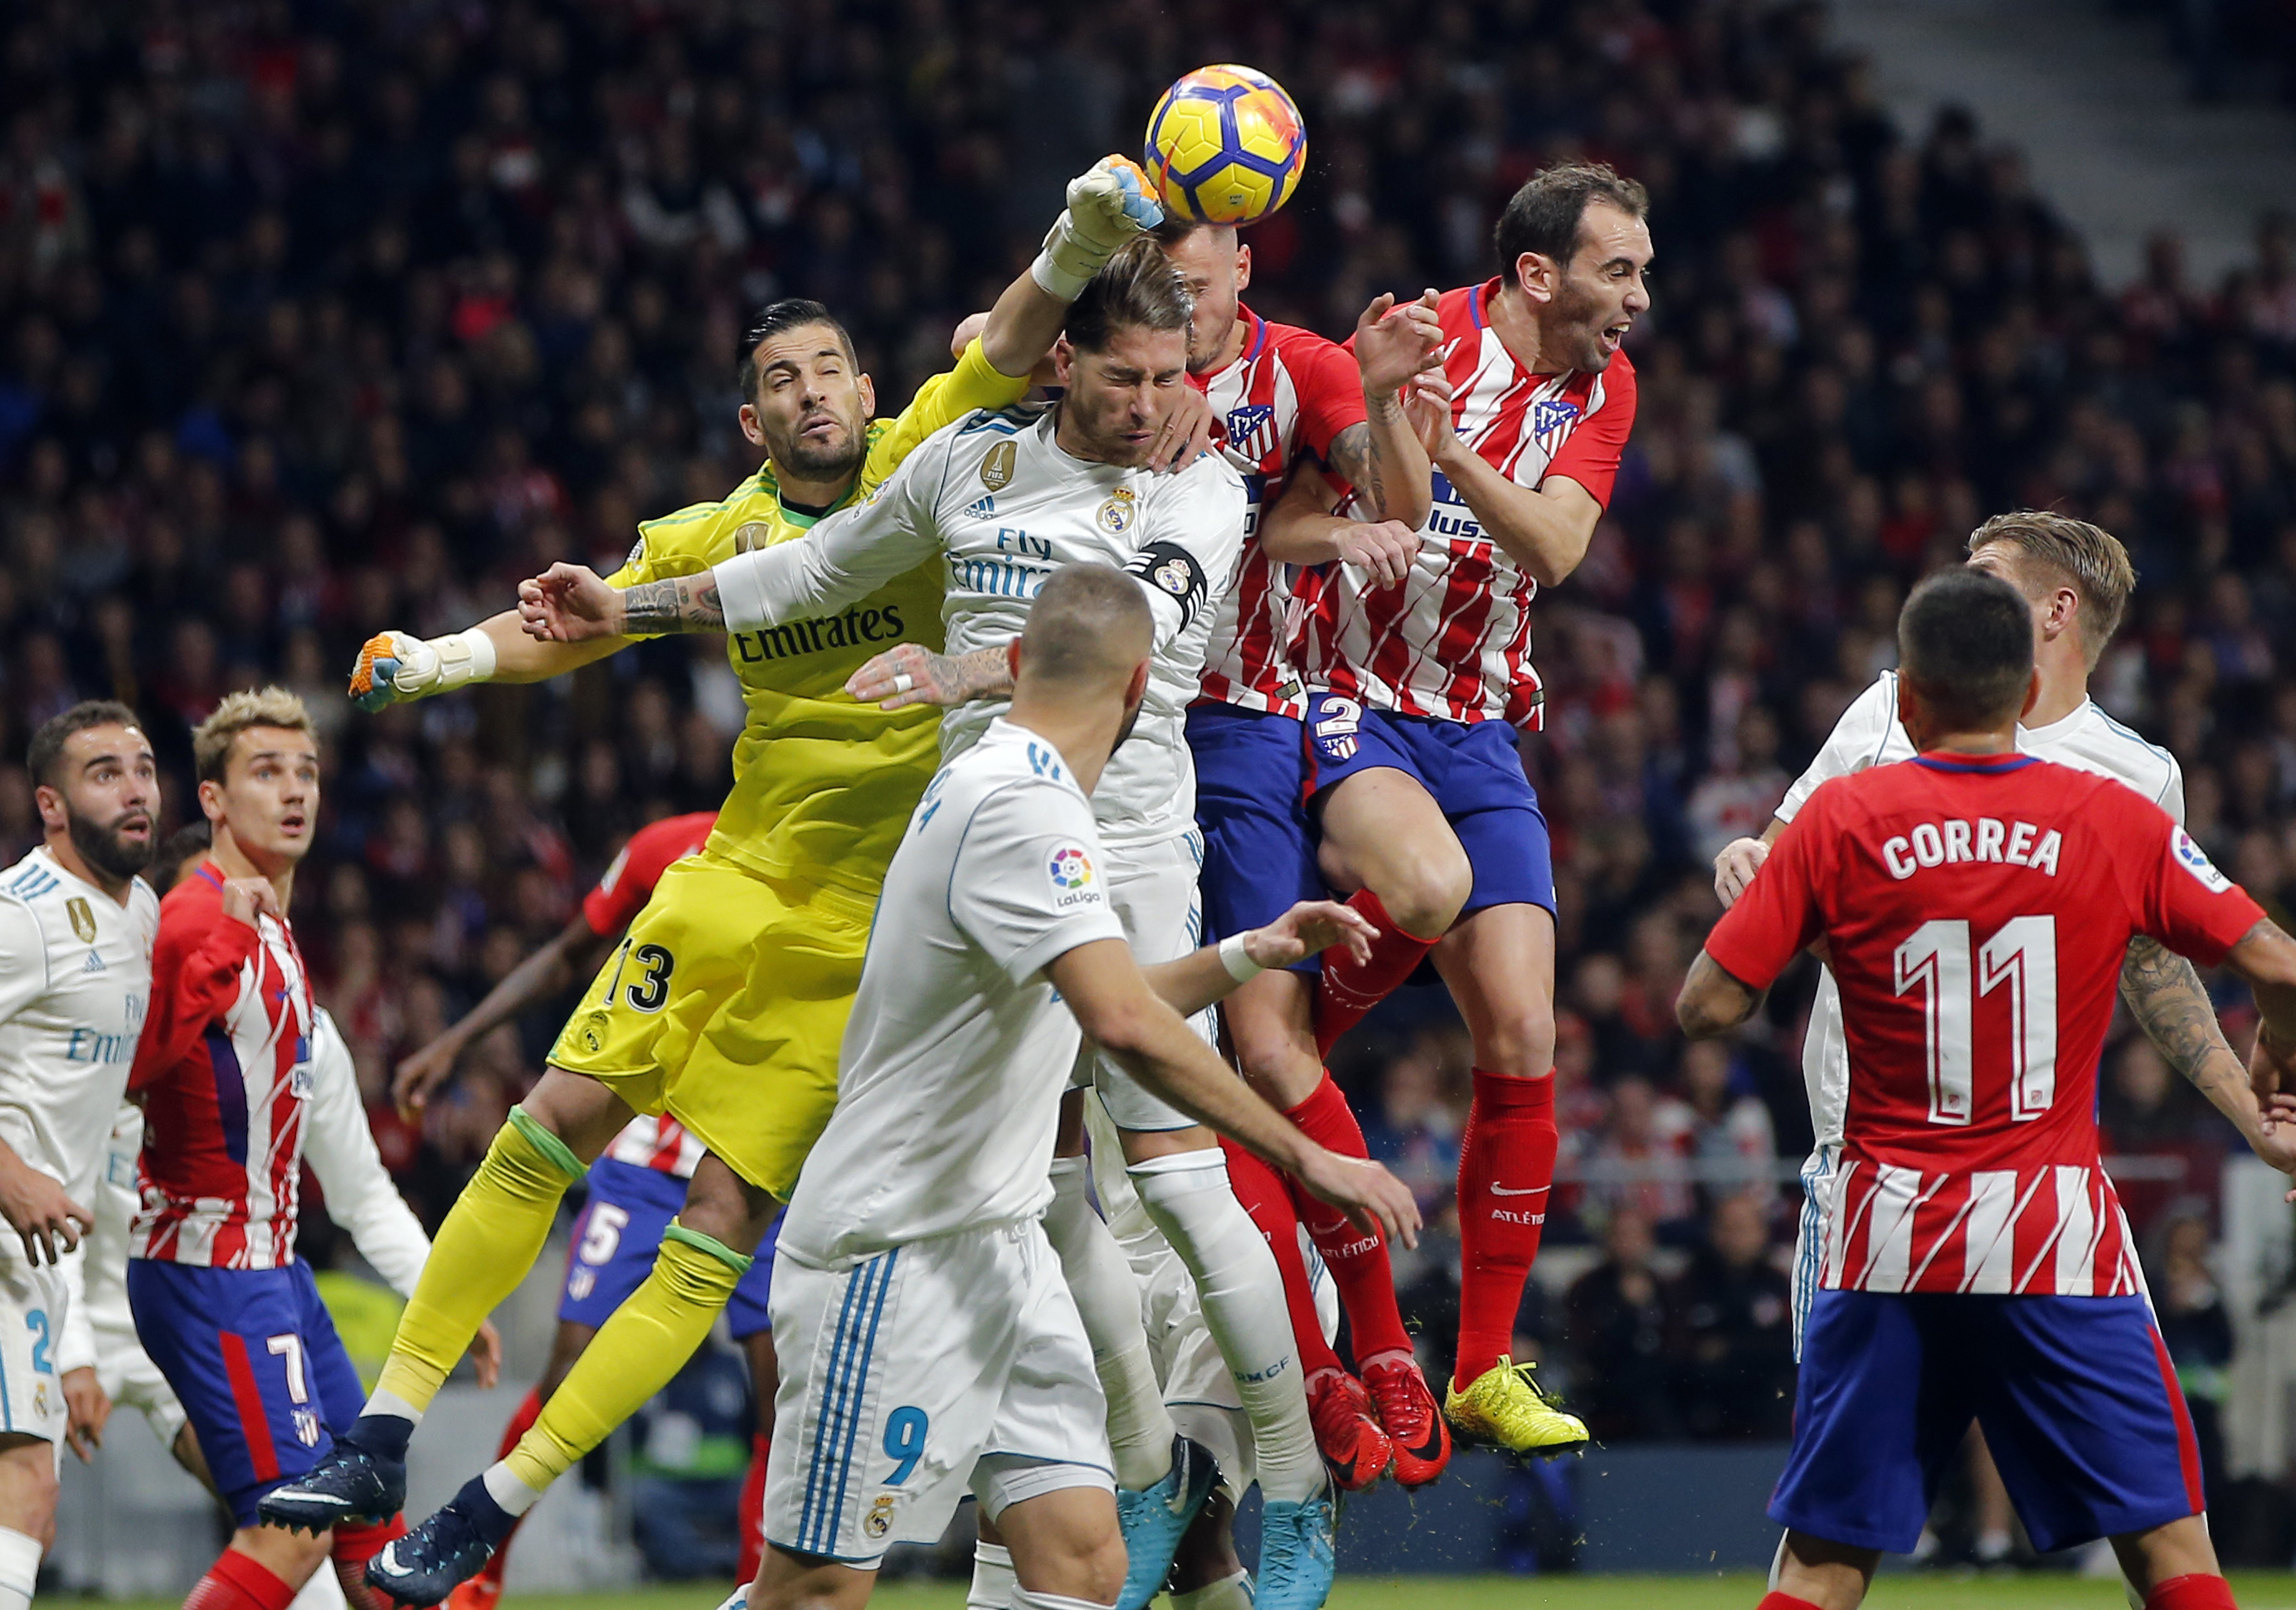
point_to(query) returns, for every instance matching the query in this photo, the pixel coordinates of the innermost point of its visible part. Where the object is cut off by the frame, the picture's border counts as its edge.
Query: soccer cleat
(1356, 1451)
(1406, 1411)
(1153, 1520)
(440, 1555)
(1298, 1553)
(349, 1484)
(1504, 1408)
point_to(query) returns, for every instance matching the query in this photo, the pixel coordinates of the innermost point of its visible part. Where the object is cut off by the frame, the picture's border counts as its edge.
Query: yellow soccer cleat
(1504, 1408)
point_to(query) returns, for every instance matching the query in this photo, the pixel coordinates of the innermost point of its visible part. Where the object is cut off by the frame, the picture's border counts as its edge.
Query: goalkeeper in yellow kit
(725, 1003)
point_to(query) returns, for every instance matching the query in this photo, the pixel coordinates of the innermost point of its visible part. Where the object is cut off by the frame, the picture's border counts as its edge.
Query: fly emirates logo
(1986, 839)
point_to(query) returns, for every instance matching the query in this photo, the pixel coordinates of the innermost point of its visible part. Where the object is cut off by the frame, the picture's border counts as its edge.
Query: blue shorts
(254, 1357)
(619, 1231)
(2078, 1400)
(1471, 770)
(1259, 848)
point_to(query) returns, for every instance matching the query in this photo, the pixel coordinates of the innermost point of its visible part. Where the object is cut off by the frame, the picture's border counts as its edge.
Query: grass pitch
(2255, 1590)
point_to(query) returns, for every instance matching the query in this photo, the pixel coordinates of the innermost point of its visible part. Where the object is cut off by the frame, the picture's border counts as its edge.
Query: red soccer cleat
(1407, 1411)
(481, 1592)
(1354, 1447)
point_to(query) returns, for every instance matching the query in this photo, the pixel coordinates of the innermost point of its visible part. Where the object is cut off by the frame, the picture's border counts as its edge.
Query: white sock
(1023, 1599)
(1229, 1593)
(1108, 1296)
(1188, 1196)
(993, 1582)
(20, 1568)
(504, 1487)
(324, 1591)
(391, 1404)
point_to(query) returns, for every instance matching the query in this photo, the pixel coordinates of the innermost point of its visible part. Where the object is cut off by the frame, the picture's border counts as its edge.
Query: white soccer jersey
(950, 1080)
(1869, 735)
(1006, 506)
(75, 983)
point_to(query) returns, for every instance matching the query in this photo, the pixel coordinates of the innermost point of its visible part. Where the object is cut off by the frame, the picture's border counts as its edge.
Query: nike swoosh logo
(1536, 1190)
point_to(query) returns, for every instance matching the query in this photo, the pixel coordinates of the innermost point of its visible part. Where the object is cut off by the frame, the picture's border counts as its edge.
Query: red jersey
(1454, 640)
(1977, 911)
(224, 1068)
(1289, 391)
(648, 1141)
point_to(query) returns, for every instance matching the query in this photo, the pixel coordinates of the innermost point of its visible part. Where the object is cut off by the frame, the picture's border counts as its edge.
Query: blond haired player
(783, 892)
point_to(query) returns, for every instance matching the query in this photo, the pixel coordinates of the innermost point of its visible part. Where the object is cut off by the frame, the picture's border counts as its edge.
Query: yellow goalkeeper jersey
(823, 787)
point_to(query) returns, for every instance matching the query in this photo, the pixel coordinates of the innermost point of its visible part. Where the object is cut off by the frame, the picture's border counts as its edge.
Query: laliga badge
(1115, 515)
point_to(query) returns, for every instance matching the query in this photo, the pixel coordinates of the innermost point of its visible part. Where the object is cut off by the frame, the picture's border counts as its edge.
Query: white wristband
(1240, 966)
(464, 657)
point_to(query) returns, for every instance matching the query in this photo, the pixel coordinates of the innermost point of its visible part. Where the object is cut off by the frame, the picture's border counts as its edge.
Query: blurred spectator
(1729, 1137)
(1619, 1319)
(1411, 1129)
(2195, 1330)
(1637, 1165)
(1733, 1345)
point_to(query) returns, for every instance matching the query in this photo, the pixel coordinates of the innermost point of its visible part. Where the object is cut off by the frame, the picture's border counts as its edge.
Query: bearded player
(1976, 904)
(781, 894)
(1414, 780)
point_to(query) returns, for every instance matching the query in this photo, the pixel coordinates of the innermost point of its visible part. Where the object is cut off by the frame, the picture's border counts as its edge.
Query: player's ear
(51, 803)
(211, 800)
(1536, 276)
(1136, 690)
(750, 426)
(1243, 268)
(868, 398)
(1063, 360)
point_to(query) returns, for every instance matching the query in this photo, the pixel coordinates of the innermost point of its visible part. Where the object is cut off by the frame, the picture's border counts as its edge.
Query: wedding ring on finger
(902, 682)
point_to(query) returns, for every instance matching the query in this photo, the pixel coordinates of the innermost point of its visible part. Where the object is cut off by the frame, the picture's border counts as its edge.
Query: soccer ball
(1226, 144)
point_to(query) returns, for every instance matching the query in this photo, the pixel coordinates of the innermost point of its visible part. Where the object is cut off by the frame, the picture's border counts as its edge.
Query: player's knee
(722, 1205)
(28, 1487)
(1424, 886)
(1277, 1055)
(1521, 1038)
(1098, 1575)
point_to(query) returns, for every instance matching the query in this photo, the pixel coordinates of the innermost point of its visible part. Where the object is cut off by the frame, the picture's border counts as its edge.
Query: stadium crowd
(321, 318)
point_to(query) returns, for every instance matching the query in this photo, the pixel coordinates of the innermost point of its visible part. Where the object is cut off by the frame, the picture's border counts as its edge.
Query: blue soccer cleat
(1297, 1556)
(1154, 1520)
(349, 1484)
(445, 1551)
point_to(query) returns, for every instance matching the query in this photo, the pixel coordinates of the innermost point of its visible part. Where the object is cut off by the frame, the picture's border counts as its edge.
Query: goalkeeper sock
(642, 1345)
(1108, 1296)
(490, 1239)
(530, 1409)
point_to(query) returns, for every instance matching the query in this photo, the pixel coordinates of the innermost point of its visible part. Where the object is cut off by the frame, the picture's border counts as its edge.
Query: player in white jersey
(922, 1199)
(76, 929)
(1004, 500)
(2078, 578)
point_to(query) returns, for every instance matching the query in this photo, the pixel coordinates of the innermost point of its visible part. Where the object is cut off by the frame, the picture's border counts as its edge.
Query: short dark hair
(47, 745)
(192, 838)
(1543, 216)
(1136, 289)
(789, 313)
(1965, 641)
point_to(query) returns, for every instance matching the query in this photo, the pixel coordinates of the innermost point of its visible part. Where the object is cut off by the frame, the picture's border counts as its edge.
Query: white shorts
(1153, 888)
(902, 1375)
(32, 1303)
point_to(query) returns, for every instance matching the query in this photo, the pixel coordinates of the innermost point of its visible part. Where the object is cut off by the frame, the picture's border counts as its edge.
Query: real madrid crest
(996, 468)
(879, 1521)
(83, 920)
(1115, 515)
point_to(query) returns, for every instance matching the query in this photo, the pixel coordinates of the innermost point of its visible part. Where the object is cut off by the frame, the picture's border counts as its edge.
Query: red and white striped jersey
(224, 1070)
(1453, 641)
(648, 1141)
(1289, 391)
(1977, 910)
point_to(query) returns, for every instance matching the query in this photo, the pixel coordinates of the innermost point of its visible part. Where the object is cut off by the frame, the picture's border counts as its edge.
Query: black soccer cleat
(444, 1552)
(349, 1484)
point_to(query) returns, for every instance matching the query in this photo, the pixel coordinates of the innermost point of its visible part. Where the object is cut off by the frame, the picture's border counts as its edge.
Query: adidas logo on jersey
(981, 508)
(94, 964)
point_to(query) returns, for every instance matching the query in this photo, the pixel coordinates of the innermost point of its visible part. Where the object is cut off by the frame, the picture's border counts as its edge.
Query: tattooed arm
(2166, 999)
(933, 678)
(1384, 457)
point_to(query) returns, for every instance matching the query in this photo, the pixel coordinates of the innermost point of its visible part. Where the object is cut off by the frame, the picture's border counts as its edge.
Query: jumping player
(782, 893)
(1976, 904)
(224, 1070)
(1002, 500)
(926, 1193)
(633, 1190)
(75, 927)
(1414, 778)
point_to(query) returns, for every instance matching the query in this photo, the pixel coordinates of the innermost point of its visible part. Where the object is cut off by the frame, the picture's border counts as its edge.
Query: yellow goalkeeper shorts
(723, 1007)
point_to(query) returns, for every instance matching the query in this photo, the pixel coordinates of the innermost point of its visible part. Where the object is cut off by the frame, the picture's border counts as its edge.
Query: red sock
(1260, 1190)
(1347, 989)
(753, 1512)
(1506, 1165)
(2198, 1591)
(1774, 1600)
(237, 1582)
(353, 1546)
(522, 1421)
(1357, 1259)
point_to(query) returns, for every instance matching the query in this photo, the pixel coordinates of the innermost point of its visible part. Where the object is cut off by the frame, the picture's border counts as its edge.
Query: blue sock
(487, 1518)
(381, 1436)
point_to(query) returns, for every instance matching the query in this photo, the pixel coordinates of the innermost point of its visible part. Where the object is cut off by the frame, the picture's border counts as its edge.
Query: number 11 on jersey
(2022, 954)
